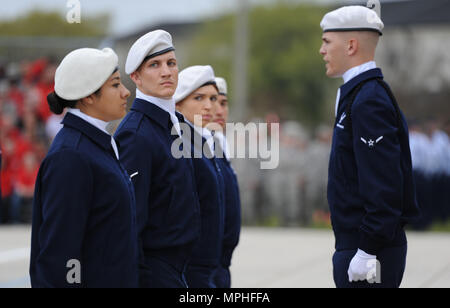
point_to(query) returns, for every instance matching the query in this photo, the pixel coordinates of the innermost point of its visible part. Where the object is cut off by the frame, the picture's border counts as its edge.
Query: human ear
(136, 78)
(352, 46)
(89, 100)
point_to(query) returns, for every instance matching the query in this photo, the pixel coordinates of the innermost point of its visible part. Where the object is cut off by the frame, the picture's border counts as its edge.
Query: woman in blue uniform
(232, 198)
(195, 95)
(84, 230)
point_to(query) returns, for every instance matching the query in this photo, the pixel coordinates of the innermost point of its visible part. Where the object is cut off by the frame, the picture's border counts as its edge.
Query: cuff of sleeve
(368, 244)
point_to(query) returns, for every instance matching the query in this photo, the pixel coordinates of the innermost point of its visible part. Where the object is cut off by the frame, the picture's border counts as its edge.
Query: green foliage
(286, 71)
(213, 44)
(441, 226)
(38, 23)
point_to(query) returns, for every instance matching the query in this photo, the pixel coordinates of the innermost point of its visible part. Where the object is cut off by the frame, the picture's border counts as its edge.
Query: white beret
(192, 78)
(221, 85)
(150, 45)
(352, 18)
(84, 71)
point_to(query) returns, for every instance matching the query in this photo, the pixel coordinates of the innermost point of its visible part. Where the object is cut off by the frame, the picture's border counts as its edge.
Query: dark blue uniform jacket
(211, 191)
(371, 192)
(167, 203)
(84, 210)
(232, 212)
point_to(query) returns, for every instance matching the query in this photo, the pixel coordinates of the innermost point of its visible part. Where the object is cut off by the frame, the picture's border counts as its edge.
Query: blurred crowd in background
(26, 130)
(430, 153)
(293, 194)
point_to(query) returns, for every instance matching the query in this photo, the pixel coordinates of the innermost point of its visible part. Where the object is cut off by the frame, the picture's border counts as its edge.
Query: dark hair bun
(57, 104)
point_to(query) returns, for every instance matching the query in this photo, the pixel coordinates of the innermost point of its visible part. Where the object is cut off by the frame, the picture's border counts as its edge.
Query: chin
(333, 75)
(167, 93)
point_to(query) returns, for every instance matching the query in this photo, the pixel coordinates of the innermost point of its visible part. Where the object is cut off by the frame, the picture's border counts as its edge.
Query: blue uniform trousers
(392, 266)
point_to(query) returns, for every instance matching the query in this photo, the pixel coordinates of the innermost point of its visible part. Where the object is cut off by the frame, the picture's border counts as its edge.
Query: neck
(88, 111)
(359, 61)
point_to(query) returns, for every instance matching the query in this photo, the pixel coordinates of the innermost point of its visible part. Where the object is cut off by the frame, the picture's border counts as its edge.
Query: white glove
(362, 267)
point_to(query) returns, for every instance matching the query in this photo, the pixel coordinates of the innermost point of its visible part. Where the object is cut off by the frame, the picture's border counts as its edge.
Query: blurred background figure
(22, 197)
(430, 151)
(318, 156)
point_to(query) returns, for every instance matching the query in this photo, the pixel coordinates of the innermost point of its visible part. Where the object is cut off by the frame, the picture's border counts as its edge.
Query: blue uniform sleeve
(378, 158)
(66, 189)
(136, 158)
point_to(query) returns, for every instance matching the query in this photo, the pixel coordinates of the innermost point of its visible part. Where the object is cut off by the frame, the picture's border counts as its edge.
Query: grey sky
(130, 15)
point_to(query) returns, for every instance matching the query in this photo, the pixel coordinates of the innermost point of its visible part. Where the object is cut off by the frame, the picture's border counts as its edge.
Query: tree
(38, 23)
(39, 34)
(286, 71)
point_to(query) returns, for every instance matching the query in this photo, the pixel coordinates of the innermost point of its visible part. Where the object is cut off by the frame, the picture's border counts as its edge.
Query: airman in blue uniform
(371, 192)
(195, 96)
(232, 196)
(84, 230)
(167, 203)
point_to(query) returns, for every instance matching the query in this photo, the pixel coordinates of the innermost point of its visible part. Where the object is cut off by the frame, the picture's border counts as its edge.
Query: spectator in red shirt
(6, 185)
(44, 87)
(24, 182)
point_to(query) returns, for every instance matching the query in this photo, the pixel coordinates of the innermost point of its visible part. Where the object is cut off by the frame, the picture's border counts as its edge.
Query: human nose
(218, 110)
(125, 92)
(165, 70)
(208, 105)
(322, 50)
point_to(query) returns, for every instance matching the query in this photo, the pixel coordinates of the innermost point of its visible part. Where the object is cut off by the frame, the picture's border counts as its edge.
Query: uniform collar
(358, 70)
(165, 104)
(154, 112)
(180, 117)
(222, 139)
(101, 125)
(95, 134)
(206, 137)
(351, 84)
(204, 132)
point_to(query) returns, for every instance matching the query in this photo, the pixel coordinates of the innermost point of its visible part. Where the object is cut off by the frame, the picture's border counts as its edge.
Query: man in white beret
(166, 196)
(371, 192)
